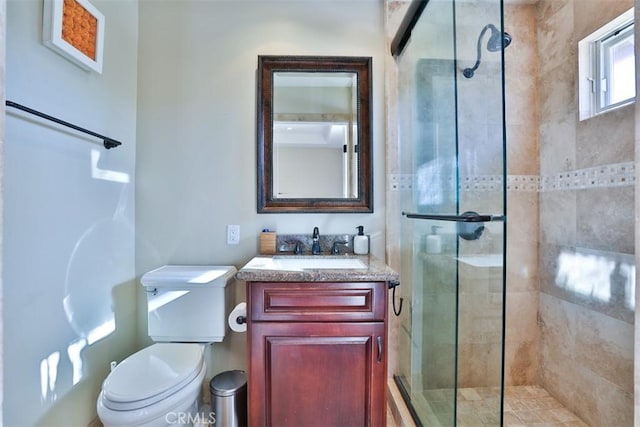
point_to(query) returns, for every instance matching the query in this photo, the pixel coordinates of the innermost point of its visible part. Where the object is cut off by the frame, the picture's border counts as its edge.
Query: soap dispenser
(360, 242)
(434, 241)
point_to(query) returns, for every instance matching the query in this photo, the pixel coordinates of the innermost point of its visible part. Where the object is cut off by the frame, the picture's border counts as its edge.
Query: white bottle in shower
(434, 241)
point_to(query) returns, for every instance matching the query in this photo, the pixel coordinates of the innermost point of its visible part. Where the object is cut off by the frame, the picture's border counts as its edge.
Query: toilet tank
(189, 303)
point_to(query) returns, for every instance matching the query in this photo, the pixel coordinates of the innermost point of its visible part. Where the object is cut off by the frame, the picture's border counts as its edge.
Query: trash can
(229, 398)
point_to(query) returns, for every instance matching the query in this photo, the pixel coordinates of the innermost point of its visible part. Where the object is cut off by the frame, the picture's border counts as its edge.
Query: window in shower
(607, 67)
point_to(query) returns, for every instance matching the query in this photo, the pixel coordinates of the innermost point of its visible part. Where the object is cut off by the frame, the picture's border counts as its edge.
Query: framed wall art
(75, 30)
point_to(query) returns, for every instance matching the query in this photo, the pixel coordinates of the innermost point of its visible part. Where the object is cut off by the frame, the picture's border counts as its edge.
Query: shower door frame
(398, 44)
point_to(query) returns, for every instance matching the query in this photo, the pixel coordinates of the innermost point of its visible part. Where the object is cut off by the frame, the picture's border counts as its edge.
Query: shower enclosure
(452, 150)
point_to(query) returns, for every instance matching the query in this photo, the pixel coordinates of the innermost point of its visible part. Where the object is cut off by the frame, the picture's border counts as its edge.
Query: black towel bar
(106, 141)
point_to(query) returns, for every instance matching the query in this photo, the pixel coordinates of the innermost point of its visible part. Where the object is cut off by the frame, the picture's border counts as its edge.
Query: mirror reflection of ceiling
(301, 79)
(326, 134)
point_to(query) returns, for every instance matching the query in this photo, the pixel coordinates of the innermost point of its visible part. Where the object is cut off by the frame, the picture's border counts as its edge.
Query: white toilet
(187, 306)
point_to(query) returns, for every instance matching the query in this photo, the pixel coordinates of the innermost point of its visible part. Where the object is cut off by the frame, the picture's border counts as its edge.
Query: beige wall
(394, 11)
(69, 285)
(197, 128)
(522, 338)
(586, 243)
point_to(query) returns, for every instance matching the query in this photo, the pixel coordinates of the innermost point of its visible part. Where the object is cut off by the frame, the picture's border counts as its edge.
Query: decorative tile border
(481, 183)
(400, 182)
(613, 175)
(523, 183)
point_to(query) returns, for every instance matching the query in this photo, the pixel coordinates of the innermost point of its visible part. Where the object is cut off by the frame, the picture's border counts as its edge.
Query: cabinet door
(317, 374)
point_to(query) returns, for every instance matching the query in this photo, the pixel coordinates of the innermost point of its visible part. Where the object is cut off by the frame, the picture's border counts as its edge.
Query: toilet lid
(153, 373)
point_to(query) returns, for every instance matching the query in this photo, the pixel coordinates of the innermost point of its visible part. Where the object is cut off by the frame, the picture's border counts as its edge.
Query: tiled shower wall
(570, 200)
(522, 128)
(586, 236)
(522, 338)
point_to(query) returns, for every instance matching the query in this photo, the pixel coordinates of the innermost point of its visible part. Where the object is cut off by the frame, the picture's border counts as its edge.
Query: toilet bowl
(187, 307)
(157, 386)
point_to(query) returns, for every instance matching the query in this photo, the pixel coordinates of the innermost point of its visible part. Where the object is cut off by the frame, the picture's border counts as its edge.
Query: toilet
(160, 385)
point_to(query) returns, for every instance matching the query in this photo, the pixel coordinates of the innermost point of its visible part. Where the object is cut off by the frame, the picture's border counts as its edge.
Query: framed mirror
(314, 134)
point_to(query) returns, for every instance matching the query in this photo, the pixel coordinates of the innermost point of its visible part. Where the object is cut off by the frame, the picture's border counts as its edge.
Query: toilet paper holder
(237, 319)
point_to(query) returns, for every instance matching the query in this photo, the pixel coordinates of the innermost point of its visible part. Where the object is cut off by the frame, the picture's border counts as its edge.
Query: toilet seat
(184, 401)
(151, 375)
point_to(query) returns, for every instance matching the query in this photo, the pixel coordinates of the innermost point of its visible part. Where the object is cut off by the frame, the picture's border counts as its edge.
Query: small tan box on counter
(268, 242)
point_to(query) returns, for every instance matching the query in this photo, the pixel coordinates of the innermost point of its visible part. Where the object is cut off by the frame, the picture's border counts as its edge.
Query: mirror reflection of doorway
(314, 159)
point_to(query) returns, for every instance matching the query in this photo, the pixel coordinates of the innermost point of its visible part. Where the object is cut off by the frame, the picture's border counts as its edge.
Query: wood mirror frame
(267, 202)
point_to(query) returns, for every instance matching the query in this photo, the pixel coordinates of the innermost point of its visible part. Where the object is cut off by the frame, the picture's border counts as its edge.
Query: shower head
(497, 41)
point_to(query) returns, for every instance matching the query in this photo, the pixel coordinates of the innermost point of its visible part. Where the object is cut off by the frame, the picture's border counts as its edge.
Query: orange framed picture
(75, 29)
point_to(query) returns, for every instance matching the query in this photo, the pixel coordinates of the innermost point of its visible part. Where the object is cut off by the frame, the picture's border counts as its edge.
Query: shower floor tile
(479, 406)
(531, 405)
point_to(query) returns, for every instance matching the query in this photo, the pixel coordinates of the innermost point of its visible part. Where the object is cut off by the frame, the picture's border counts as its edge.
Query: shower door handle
(465, 217)
(468, 225)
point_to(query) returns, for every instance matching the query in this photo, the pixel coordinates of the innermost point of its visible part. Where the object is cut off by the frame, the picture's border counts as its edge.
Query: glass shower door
(453, 225)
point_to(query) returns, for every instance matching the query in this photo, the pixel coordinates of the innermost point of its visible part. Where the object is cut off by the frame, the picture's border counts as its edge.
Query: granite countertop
(270, 269)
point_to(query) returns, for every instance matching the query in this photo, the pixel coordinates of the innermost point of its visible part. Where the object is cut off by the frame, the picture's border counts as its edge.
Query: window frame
(593, 68)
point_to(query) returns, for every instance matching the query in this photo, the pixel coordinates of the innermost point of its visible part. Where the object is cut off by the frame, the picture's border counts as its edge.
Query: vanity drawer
(317, 301)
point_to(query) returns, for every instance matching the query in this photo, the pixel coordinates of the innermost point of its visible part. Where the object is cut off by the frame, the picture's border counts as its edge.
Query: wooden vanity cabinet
(318, 354)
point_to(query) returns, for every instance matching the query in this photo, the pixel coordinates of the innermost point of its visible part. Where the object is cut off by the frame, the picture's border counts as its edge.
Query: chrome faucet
(335, 250)
(315, 247)
(294, 246)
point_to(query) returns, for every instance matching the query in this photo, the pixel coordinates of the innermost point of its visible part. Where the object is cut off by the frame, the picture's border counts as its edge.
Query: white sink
(294, 263)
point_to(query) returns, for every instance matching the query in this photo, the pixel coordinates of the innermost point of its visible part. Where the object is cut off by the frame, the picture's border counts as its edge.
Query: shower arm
(468, 72)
